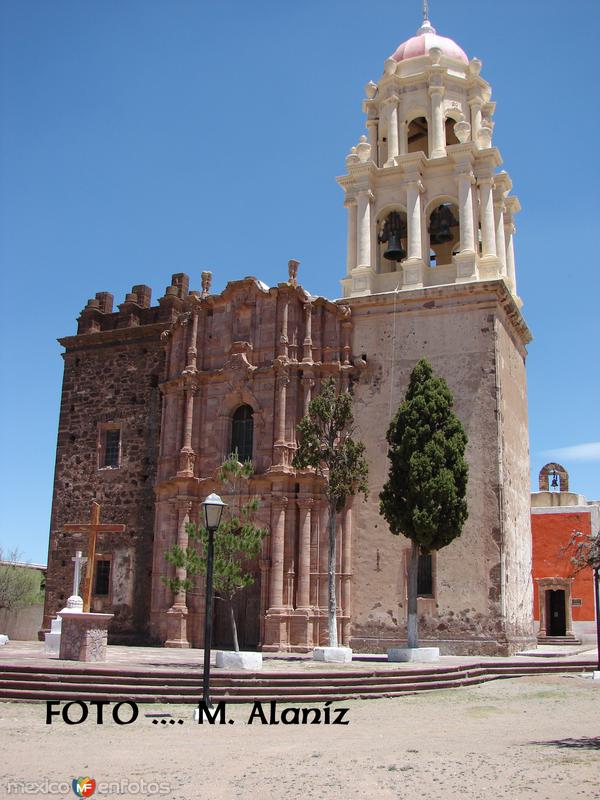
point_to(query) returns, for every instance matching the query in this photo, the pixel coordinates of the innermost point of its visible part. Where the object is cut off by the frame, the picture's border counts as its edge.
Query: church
(155, 396)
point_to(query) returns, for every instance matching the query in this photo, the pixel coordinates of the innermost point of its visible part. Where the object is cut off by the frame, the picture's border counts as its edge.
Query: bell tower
(426, 203)
(431, 274)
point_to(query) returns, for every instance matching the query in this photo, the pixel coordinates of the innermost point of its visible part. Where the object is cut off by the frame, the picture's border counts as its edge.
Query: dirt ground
(535, 737)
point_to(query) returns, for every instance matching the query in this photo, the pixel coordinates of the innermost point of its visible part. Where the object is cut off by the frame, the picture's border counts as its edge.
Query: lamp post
(213, 508)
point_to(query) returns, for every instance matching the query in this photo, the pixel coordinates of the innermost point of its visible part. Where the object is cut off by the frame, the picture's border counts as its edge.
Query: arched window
(242, 430)
(391, 239)
(418, 136)
(443, 231)
(451, 137)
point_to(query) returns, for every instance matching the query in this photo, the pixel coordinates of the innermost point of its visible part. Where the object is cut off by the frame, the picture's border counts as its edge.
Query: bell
(393, 228)
(439, 227)
(395, 251)
(554, 483)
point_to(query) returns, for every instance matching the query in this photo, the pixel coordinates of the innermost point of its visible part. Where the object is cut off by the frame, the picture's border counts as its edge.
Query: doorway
(556, 612)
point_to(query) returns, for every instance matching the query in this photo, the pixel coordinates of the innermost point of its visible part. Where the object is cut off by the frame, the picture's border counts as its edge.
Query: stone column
(392, 131)
(413, 266)
(192, 351)
(283, 338)
(403, 134)
(499, 207)
(475, 104)
(280, 445)
(438, 137)
(569, 609)
(363, 228)
(307, 344)
(303, 597)
(465, 200)
(177, 614)
(186, 454)
(314, 554)
(346, 575)
(486, 205)
(308, 384)
(465, 260)
(278, 515)
(323, 544)
(372, 126)
(352, 234)
(542, 607)
(346, 326)
(509, 231)
(282, 382)
(413, 207)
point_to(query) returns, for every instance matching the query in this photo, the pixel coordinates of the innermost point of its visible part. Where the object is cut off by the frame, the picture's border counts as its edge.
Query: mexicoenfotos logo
(83, 787)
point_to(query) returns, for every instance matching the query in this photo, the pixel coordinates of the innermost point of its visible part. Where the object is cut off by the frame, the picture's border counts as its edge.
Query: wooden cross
(92, 528)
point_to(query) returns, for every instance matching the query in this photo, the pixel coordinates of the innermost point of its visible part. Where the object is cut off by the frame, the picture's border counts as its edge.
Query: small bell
(555, 483)
(393, 230)
(441, 221)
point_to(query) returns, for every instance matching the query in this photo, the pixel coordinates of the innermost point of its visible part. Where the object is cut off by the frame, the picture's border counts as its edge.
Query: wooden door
(557, 617)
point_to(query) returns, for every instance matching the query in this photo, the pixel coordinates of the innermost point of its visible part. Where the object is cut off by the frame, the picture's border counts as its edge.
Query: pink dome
(426, 38)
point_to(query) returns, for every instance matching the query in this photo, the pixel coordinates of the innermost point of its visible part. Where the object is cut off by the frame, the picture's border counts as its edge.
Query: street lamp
(213, 508)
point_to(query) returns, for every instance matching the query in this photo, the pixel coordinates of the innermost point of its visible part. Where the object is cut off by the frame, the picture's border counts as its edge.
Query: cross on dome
(427, 37)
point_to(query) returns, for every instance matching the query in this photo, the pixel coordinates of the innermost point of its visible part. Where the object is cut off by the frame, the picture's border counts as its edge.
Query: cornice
(116, 336)
(415, 300)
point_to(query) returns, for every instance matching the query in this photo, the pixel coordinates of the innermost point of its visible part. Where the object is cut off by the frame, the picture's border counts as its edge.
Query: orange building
(563, 601)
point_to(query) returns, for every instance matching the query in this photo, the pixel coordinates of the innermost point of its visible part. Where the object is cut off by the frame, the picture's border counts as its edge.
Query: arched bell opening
(444, 234)
(392, 246)
(418, 136)
(553, 477)
(451, 137)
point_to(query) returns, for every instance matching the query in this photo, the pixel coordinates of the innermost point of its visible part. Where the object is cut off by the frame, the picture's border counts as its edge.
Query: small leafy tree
(19, 586)
(584, 552)
(237, 540)
(424, 496)
(326, 445)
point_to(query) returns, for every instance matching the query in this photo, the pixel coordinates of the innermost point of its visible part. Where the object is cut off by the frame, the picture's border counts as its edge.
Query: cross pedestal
(84, 636)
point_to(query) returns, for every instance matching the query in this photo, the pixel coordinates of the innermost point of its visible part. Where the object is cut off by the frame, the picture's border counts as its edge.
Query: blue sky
(145, 137)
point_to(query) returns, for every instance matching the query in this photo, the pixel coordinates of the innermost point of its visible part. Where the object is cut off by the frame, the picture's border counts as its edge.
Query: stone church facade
(156, 396)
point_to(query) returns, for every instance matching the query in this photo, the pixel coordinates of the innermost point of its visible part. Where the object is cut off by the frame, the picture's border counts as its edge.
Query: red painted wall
(551, 533)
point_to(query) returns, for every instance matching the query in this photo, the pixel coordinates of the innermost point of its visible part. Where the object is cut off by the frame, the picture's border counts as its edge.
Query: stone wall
(454, 329)
(110, 376)
(21, 624)
(514, 478)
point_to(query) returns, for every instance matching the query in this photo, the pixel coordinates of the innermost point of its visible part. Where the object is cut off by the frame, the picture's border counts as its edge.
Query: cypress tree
(424, 496)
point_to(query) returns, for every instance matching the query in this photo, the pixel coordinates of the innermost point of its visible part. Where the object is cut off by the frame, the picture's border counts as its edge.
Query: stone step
(220, 679)
(70, 683)
(559, 640)
(315, 696)
(66, 684)
(92, 672)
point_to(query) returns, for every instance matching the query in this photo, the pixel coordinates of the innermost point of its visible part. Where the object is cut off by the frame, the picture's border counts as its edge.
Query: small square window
(102, 578)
